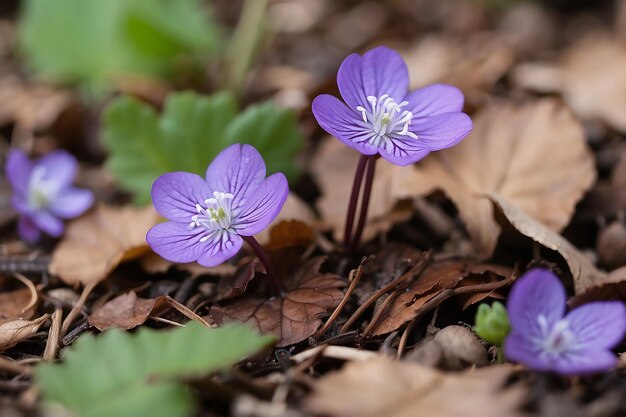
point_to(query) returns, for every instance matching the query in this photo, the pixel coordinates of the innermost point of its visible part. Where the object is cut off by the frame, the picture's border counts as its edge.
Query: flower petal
(403, 150)
(599, 325)
(72, 202)
(262, 207)
(519, 347)
(384, 72)
(18, 170)
(537, 292)
(347, 126)
(220, 249)
(238, 170)
(442, 130)
(47, 223)
(176, 242)
(61, 166)
(176, 194)
(350, 81)
(435, 99)
(584, 362)
(27, 230)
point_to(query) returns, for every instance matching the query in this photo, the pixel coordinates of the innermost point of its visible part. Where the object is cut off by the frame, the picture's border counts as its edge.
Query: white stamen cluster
(41, 189)
(386, 117)
(216, 217)
(556, 340)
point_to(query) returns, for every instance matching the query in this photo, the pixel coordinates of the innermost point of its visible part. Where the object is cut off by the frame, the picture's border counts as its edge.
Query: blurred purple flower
(381, 116)
(543, 339)
(43, 193)
(208, 218)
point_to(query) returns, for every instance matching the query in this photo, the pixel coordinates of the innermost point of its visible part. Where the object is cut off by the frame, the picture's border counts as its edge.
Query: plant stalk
(365, 202)
(269, 268)
(354, 199)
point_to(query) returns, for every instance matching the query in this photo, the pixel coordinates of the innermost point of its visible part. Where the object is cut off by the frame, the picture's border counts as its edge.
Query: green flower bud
(492, 323)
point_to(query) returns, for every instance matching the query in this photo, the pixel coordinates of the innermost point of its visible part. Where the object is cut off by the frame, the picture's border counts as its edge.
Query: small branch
(54, 335)
(185, 311)
(265, 260)
(77, 307)
(354, 199)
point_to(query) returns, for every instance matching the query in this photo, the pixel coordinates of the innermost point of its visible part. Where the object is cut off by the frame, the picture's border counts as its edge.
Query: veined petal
(582, 362)
(18, 170)
(27, 230)
(402, 150)
(384, 72)
(220, 248)
(237, 170)
(599, 325)
(441, 131)
(176, 194)
(350, 81)
(435, 99)
(346, 125)
(177, 242)
(71, 202)
(263, 206)
(537, 293)
(519, 347)
(47, 223)
(61, 166)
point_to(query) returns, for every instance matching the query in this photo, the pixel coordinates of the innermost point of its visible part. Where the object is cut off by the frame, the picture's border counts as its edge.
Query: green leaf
(189, 134)
(492, 323)
(122, 374)
(93, 41)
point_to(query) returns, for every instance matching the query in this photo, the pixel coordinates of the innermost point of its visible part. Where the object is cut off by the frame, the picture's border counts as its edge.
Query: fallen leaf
(310, 296)
(533, 155)
(333, 167)
(126, 311)
(230, 286)
(289, 233)
(154, 264)
(13, 332)
(589, 76)
(382, 387)
(605, 288)
(98, 242)
(12, 304)
(584, 273)
(294, 209)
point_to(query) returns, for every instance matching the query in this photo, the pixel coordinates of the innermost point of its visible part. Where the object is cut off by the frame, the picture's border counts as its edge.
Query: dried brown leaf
(381, 387)
(590, 76)
(609, 287)
(533, 155)
(13, 303)
(95, 244)
(310, 296)
(294, 209)
(125, 311)
(13, 332)
(289, 233)
(584, 273)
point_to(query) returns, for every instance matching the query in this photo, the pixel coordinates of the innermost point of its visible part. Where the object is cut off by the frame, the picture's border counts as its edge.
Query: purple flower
(208, 218)
(43, 193)
(543, 339)
(381, 116)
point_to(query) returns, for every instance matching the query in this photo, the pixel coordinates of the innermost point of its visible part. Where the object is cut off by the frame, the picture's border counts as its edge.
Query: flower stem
(265, 260)
(354, 199)
(365, 202)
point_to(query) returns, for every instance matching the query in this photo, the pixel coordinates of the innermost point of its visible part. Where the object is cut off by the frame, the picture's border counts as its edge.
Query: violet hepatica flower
(544, 338)
(381, 116)
(209, 218)
(43, 193)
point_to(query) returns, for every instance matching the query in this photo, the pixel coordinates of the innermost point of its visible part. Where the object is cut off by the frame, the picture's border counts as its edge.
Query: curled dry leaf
(15, 305)
(584, 273)
(13, 332)
(334, 166)
(609, 287)
(590, 76)
(289, 233)
(125, 311)
(310, 296)
(533, 155)
(381, 387)
(98, 242)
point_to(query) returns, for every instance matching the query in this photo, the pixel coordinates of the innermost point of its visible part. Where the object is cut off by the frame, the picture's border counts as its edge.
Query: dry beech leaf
(382, 387)
(13, 332)
(289, 233)
(125, 311)
(294, 209)
(310, 296)
(230, 286)
(605, 288)
(590, 76)
(96, 243)
(533, 155)
(12, 304)
(434, 279)
(584, 273)
(334, 167)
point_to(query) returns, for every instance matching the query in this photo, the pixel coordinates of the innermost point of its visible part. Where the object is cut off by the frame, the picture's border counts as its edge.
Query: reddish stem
(265, 260)
(354, 199)
(365, 202)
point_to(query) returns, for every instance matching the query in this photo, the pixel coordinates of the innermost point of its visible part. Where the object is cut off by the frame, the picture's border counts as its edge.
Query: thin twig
(31, 287)
(186, 311)
(77, 307)
(379, 313)
(335, 352)
(54, 335)
(355, 280)
(8, 365)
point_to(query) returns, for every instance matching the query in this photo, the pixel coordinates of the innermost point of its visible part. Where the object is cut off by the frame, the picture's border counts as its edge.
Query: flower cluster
(208, 218)
(544, 338)
(43, 193)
